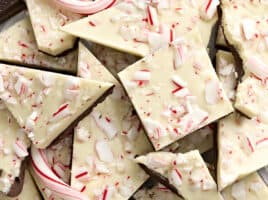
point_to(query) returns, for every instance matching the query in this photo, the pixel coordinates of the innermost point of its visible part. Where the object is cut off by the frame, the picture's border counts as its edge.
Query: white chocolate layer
(18, 46)
(107, 140)
(175, 107)
(44, 103)
(187, 172)
(13, 149)
(140, 27)
(242, 145)
(47, 19)
(251, 187)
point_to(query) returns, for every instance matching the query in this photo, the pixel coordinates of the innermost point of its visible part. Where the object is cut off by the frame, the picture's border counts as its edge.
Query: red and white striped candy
(22, 85)
(142, 75)
(85, 7)
(262, 142)
(49, 179)
(20, 148)
(31, 120)
(81, 174)
(155, 129)
(249, 28)
(59, 170)
(152, 18)
(176, 177)
(210, 9)
(105, 124)
(46, 80)
(179, 55)
(62, 112)
(104, 152)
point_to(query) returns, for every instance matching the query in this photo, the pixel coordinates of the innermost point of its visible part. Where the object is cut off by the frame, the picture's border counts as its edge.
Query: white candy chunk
(182, 93)
(47, 80)
(154, 129)
(227, 70)
(239, 191)
(30, 122)
(20, 149)
(142, 75)
(2, 87)
(175, 177)
(209, 9)
(212, 92)
(179, 54)
(104, 152)
(62, 112)
(256, 66)
(125, 190)
(153, 18)
(21, 85)
(249, 28)
(105, 124)
(101, 168)
(82, 134)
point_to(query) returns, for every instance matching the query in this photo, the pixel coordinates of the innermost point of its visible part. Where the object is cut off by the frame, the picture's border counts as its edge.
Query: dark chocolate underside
(9, 8)
(17, 186)
(161, 179)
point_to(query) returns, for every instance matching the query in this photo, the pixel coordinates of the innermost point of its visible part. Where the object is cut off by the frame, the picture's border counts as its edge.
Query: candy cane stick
(85, 7)
(50, 180)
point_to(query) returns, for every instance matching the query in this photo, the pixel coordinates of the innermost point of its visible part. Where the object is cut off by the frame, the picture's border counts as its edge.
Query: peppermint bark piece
(251, 187)
(18, 46)
(242, 143)
(13, 150)
(187, 173)
(46, 104)
(161, 89)
(140, 27)
(106, 141)
(47, 19)
(248, 37)
(29, 190)
(157, 192)
(226, 70)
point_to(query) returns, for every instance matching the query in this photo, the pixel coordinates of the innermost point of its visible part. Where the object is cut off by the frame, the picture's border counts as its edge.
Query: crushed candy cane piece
(249, 28)
(209, 9)
(256, 66)
(104, 152)
(176, 177)
(20, 149)
(212, 92)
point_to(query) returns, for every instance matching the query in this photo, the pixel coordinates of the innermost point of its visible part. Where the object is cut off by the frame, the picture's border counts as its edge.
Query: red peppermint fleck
(91, 23)
(250, 145)
(23, 44)
(81, 175)
(208, 5)
(178, 173)
(105, 192)
(261, 140)
(63, 107)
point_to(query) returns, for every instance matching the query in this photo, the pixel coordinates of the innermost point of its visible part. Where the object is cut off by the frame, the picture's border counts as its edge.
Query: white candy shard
(82, 134)
(249, 28)
(142, 75)
(104, 152)
(175, 177)
(257, 67)
(155, 129)
(212, 92)
(238, 190)
(105, 124)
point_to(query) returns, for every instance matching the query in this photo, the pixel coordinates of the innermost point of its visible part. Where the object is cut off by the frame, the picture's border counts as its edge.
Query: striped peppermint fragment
(81, 174)
(256, 66)
(152, 18)
(249, 28)
(47, 80)
(212, 92)
(175, 177)
(6, 96)
(31, 120)
(105, 124)
(180, 52)
(262, 142)
(178, 81)
(62, 112)
(156, 41)
(59, 170)
(107, 193)
(20, 148)
(239, 190)
(22, 85)
(2, 87)
(40, 167)
(191, 121)
(104, 152)
(142, 76)
(250, 145)
(182, 93)
(209, 9)
(154, 129)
